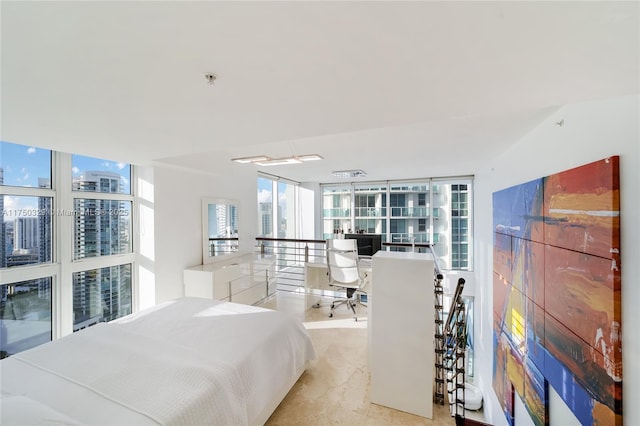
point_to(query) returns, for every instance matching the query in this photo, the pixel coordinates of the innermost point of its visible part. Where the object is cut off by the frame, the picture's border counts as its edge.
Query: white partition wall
(401, 323)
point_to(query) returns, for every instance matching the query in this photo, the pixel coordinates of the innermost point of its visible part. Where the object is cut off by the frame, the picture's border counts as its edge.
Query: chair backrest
(342, 262)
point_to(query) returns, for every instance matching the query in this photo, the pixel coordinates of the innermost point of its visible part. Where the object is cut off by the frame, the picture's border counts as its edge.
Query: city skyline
(102, 227)
(28, 166)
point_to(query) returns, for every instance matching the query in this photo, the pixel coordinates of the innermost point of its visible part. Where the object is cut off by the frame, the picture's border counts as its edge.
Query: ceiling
(398, 89)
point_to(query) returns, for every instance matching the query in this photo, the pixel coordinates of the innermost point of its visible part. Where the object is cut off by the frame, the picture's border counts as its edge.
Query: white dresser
(401, 331)
(246, 279)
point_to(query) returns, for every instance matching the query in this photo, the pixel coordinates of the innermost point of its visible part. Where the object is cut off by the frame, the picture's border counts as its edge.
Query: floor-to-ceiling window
(278, 213)
(103, 202)
(66, 252)
(336, 210)
(460, 225)
(265, 207)
(408, 203)
(277, 207)
(370, 211)
(434, 211)
(28, 275)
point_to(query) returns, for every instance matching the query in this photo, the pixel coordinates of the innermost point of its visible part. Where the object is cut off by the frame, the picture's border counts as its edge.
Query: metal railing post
(289, 270)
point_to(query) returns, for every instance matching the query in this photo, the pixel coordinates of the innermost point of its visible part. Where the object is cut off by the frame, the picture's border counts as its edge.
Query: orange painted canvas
(558, 244)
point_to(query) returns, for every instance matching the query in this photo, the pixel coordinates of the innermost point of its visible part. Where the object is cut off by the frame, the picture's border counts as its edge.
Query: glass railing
(421, 212)
(336, 212)
(371, 212)
(421, 237)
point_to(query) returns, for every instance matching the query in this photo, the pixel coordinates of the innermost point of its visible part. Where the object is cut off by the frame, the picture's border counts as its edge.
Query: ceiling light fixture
(278, 161)
(344, 174)
(309, 157)
(264, 160)
(254, 159)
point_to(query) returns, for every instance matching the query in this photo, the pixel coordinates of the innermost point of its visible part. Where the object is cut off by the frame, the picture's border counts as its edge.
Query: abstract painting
(556, 293)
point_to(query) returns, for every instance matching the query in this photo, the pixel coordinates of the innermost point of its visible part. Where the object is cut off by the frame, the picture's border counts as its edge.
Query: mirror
(220, 228)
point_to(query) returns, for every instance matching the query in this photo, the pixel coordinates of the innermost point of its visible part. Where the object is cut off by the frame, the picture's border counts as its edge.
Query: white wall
(145, 241)
(318, 225)
(591, 131)
(178, 221)
(307, 213)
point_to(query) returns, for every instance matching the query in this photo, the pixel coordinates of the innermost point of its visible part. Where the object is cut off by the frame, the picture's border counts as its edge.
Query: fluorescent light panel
(278, 161)
(264, 160)
(309, 157)
(254, 159)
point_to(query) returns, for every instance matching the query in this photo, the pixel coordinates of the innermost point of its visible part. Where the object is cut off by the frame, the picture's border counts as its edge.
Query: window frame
(63, 265)
(433, 201)
(293, 229)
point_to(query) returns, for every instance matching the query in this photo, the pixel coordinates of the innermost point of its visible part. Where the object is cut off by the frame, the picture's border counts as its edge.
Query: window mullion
(275, 209)
(63, 235)
(26, 273)
(352, 204)
(26, 191)
(388, 210)
(431, 238)
(102, 196)
(100, 262)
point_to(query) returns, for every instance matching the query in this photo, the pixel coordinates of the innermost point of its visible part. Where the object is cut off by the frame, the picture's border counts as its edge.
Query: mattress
(189, 361)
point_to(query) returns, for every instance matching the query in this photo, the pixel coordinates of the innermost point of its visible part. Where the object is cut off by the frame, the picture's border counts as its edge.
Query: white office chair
(344, 273)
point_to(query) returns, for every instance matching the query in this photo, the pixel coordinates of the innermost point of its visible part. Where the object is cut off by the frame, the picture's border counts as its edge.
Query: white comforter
(190, 361)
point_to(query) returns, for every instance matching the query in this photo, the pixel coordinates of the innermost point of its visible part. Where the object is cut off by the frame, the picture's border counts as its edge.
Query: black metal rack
(455, 344)
(439, 339)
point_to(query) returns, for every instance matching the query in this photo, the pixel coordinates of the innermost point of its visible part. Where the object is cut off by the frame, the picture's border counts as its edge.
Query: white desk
(401, 331)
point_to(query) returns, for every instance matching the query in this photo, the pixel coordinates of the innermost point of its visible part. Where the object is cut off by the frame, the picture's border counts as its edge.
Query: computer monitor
(368, 244)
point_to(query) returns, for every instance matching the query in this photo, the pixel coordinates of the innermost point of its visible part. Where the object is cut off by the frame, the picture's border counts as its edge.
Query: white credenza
(401, 331)
(246, 279)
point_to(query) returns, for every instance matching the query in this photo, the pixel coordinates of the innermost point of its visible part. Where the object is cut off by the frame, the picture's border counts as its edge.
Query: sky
(265, 190)
(23, 165)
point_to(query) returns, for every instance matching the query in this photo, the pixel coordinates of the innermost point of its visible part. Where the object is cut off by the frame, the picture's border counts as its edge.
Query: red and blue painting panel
(557, 316)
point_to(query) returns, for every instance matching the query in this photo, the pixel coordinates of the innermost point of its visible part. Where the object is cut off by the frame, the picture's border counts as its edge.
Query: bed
(190, 361)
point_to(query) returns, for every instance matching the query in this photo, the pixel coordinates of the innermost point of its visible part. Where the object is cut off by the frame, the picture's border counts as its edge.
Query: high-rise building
(44, 236)
(25, 235)
(266, 219)
(100, 230)
(437, 213)
(44, 223)
(337, 210)
(3, 241)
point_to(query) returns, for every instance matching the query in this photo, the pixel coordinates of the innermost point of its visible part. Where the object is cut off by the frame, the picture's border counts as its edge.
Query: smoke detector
(211, 77)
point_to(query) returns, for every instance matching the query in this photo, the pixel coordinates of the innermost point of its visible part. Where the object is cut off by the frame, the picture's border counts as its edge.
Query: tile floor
(335, 388)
